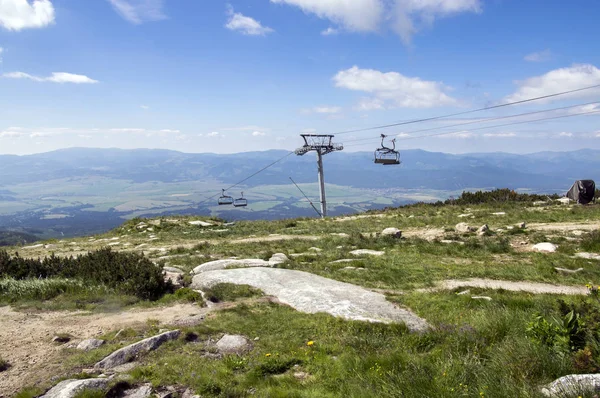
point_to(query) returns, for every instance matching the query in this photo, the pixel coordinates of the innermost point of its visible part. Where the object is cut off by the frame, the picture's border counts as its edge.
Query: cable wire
(487, 120)
(489, 127)
(467, 112)
(247, 178)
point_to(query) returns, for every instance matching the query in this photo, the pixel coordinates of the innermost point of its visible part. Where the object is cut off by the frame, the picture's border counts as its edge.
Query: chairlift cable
(489, 127)
(487, 120)
(467, 112)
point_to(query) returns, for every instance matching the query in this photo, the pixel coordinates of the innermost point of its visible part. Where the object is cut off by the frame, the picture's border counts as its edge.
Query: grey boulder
(129, 352)
(70, 388)
(90, 344)
(233, 344)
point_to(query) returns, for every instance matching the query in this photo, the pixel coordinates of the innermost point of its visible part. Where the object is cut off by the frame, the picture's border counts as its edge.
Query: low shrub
(591, 241)
(129, 273)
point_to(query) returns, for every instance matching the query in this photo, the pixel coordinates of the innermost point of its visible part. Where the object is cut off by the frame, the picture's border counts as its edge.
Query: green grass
(230, 292)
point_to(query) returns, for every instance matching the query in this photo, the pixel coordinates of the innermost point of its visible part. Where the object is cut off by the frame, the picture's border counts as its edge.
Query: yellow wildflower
(310, 343)
(267, 355)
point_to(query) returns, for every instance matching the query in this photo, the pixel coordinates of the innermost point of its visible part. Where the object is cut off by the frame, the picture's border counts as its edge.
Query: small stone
(393, 232)
(141, 392)
(463, 228)
(483, 229)
(366, 251)
(463, 292)
(545, 247)
(522, 225)
(189, 394)
(278, 258)
(90, 344)
(315, 249)
(482, 298)
(568, 271)
(233, 344)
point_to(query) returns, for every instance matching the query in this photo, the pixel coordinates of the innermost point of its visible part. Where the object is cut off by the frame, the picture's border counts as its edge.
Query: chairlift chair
(240, 202)
(385, 155)
(225, 199)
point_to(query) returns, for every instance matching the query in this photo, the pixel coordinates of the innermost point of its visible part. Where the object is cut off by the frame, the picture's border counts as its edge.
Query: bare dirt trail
(26, 337)
(565, 226)
(529, 287)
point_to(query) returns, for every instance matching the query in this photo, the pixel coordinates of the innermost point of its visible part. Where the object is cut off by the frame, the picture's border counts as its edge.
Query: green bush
(497, 196)
(562, 335)
(129, 273)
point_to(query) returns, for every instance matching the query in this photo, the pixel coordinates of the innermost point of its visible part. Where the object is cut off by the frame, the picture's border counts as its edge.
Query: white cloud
(352, 15)
(56, 77)
(499, 135)
(139, 11)
(565, 134)
(559, 80)
(330, 31)
(409, 15)
(38, 134)
(327, 110)
(10, 134)
(403, 135)
(258, 134)
(540, 56)
(393, 89)
(144, 107)
(1, 51)
(245, 25)
(213, 134)
(460, 135)
(84, 136)
(127, 130)
(169, 131)
(22, 14)
(245, 128)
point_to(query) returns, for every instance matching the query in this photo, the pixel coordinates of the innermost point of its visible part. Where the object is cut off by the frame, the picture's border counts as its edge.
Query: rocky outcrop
(276, 259)
(70, 388)
(573, 386)
(126, 354)
(393, 232)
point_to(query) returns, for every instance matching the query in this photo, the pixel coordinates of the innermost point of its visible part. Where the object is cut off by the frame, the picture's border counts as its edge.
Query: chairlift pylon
(225, 199)
(240, 202)
(385, 155)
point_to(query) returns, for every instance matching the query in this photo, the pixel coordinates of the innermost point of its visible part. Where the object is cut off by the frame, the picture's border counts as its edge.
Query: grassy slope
(479, 348)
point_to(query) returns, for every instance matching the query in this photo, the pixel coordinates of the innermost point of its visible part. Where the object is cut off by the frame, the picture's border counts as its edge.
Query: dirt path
(565, 226)
(26, 337)
(530, 287)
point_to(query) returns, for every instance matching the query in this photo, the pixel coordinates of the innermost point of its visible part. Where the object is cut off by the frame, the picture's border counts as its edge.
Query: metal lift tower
(322, 144)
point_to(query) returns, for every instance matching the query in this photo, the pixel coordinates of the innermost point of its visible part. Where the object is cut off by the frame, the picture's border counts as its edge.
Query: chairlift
(240, 202)
(385, 155)
(225, 199)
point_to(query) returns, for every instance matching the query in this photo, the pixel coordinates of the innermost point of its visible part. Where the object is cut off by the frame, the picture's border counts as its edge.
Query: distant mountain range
(82, 191)
(542, 171)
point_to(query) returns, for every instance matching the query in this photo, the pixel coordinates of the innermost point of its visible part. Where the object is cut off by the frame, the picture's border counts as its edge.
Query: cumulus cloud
(410, 15)
(144, 107)
(127, 130)
(258, 134)
(10, 134)
(406, 16)
(392, 89)
(352, 15)
(329, 32)
(326, 110)
(1, 51)
(56, 77)
(558, 80)
(460, 135)
(499, 135)
(22, 14)
(214, 134)
(565, 134)
(169, 131)
(139, 11)
(246, 25)
(540, 56)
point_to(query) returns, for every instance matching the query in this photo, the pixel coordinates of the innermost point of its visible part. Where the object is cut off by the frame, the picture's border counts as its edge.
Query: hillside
(476, 300)
(84, 191)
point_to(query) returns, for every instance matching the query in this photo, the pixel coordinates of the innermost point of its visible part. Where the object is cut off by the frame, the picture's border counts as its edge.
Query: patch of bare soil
(565, 226)
(529, 287)
(275, 238)
(428, 234)
(27, 337)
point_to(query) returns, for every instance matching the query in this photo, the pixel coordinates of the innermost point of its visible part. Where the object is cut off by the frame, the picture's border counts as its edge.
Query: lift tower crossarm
(322, 144)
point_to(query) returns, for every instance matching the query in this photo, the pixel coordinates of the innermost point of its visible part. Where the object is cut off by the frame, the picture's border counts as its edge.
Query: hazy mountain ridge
(420, 169)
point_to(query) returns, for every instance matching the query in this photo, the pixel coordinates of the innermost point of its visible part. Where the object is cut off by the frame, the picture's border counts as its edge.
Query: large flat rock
(312, 294)
(276, 259)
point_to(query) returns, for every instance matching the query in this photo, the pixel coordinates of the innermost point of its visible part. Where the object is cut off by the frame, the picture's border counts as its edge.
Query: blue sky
(218, 76)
